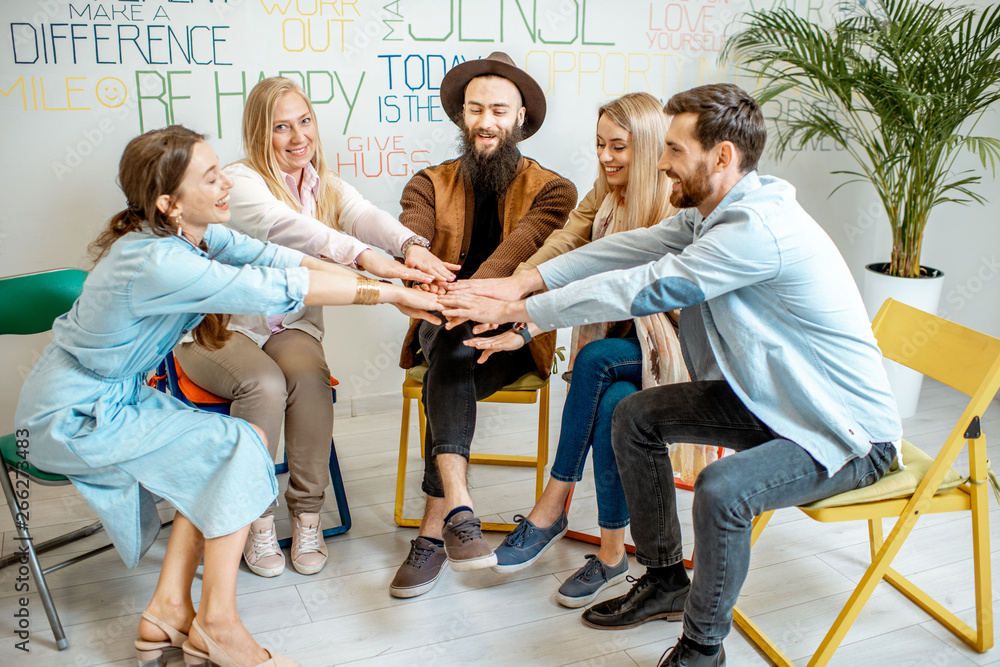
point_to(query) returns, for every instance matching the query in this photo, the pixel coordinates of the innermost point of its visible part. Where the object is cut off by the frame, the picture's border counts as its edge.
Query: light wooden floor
(801, 573)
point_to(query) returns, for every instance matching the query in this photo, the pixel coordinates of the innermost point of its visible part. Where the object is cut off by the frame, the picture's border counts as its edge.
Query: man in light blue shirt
(784, 367)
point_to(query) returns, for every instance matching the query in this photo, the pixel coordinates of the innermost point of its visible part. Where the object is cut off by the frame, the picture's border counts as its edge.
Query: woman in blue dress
(163, 262)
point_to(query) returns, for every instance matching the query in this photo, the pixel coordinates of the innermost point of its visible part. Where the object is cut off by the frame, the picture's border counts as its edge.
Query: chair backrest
(30, 303)
(962, 358)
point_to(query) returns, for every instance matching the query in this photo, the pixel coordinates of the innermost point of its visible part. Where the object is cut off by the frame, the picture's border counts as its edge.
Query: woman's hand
(411, 302)
(420, 258)
(504, 342)
(383, 267)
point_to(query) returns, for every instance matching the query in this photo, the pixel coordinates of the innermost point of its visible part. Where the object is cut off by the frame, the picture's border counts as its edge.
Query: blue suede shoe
(526, 543)
(584, 585)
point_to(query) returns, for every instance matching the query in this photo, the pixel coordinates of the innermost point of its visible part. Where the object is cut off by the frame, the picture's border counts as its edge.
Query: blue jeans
(452, 385)
(604, 372)
(767, 472)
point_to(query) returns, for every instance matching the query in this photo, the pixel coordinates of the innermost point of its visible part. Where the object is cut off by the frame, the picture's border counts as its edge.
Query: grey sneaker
(581, 588)
(420, 571)
(527, 542)
(464, 542)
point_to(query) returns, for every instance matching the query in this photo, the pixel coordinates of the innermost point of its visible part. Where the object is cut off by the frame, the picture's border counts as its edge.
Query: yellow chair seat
(898, 483)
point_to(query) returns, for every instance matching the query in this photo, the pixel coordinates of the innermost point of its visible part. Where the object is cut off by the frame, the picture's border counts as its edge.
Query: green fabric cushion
(527, 382)
(8, 446)
(897, 483)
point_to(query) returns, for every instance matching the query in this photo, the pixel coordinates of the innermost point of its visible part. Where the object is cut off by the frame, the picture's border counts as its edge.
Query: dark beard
(491, 172)
(695, 190)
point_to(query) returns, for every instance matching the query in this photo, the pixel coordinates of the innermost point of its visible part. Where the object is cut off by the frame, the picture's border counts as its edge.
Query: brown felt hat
(498, 64)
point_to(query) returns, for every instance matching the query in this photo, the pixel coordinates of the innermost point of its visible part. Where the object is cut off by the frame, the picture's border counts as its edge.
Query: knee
(717, 493)
(447, 348)
(592, 361)
(268, 385)
(309, 372)
(260, 433)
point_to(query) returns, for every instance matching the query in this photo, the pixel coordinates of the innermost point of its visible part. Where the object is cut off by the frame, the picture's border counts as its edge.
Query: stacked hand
(489, 303)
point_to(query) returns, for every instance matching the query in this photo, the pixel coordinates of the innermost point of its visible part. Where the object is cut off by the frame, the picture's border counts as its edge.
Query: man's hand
(462, 306)
(504, 342)
(419, 257)
(383, 267)
(511, 288)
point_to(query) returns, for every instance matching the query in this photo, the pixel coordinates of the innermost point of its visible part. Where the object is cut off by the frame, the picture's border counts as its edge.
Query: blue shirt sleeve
(734, 253)
(232, 247)
(179, 279)
(621, 251)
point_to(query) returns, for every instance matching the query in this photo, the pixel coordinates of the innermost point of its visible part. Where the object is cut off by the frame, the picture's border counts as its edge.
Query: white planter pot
(923, 293)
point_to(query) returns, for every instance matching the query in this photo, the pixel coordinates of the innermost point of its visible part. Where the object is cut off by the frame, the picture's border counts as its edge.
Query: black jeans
(766, 473)
(452, 385)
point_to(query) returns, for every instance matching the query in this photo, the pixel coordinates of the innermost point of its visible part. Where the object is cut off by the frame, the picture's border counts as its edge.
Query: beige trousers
(287, 379)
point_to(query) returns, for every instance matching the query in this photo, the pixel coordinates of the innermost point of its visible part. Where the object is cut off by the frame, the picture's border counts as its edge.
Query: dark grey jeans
(452, 385)
(766, 473)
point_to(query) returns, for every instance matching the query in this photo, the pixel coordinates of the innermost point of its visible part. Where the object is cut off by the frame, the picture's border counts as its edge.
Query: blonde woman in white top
(273, 368)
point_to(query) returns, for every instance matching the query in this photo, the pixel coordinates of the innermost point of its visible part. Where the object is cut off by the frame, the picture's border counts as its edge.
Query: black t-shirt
(486, 234)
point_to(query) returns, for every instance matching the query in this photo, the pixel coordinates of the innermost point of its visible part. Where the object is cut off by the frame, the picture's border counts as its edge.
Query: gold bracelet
(367, 292)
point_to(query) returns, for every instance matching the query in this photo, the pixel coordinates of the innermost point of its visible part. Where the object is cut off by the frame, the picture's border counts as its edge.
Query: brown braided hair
(153, 164)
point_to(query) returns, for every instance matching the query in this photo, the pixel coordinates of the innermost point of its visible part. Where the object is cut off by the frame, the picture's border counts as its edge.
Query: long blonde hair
(258, 121)
(647, 199)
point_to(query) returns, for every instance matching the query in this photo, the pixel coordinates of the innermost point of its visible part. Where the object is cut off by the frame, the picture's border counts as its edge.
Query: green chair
(28, 305)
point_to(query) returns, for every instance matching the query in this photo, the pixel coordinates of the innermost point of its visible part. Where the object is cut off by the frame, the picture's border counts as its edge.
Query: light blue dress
(91, 417)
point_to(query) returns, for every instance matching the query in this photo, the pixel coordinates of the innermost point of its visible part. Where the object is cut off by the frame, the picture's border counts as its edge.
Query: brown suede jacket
(438, 204)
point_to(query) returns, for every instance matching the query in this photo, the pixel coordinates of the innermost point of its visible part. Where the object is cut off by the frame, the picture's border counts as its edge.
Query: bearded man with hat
(484, 212)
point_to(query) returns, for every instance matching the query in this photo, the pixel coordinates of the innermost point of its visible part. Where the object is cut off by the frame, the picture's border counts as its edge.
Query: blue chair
(29, 304)
(170, 377)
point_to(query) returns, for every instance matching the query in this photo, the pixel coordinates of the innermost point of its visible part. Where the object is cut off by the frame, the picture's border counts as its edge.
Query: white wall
(66, 115)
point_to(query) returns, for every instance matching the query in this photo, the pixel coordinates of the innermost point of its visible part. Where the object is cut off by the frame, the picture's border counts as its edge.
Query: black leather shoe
(683, 655)
(647, 600)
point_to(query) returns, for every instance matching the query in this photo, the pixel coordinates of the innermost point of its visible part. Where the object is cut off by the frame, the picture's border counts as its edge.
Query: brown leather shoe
(420, 571)
(464, 542)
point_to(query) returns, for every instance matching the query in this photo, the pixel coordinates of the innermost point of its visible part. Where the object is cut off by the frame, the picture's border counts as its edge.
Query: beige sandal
(216, 656)
(150, 654)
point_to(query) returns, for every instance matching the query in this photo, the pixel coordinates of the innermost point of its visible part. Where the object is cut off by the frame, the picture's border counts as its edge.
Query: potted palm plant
(900, 85)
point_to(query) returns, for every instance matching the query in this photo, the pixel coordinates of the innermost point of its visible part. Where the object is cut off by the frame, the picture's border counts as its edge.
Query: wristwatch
(521, 328)
(415, 240)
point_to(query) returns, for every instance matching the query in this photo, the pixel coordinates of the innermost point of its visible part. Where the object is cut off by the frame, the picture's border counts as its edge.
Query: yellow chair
(529, 388)
(965, 360)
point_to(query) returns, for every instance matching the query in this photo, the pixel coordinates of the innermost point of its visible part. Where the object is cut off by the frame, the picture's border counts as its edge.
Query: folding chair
(529, 388)
(170, 377)
(29, 305)
(965, 360)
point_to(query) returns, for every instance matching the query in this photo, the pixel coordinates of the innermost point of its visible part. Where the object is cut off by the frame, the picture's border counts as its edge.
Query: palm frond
(900, 87)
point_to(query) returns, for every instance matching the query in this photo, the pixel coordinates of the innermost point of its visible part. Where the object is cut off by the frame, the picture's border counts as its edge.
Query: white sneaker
(261, 552)
(308, 547)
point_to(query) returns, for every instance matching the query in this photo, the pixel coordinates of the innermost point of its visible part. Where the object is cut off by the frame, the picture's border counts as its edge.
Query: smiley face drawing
(110, 92)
